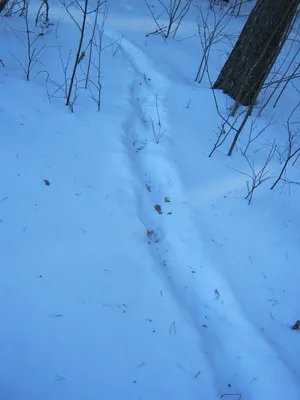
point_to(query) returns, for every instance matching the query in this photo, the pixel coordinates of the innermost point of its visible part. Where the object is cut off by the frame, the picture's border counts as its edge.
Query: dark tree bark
(256, 50)
(3, 4)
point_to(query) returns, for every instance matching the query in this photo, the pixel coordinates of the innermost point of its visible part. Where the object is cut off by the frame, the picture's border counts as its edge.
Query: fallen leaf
(150, 234)
(148, 187)
(204, 326)
(158, 208)
(46, 182)
(166, 200)
(296, 326)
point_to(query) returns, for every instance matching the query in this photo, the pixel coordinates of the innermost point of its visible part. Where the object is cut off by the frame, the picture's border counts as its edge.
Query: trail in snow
(203, 292)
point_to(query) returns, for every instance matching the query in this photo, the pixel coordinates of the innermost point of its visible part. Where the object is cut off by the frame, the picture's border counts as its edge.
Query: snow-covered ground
(131, 265)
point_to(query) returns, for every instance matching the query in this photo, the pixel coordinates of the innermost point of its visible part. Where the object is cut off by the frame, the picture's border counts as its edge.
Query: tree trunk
(3, 4)
(256, 50)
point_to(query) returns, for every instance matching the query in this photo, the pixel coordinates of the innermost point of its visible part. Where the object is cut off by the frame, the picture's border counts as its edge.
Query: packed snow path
(217, 319)
(107, 288)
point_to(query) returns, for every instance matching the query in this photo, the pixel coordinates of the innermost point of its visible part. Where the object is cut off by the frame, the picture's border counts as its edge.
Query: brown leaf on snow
(46, 182)
(166, 200)
(150, 234)
(158, 208)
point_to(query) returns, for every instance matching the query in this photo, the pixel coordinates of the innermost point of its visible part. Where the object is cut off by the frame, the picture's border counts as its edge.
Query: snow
(101, 296)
